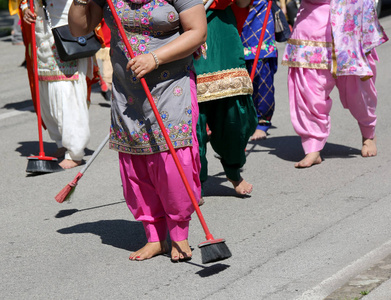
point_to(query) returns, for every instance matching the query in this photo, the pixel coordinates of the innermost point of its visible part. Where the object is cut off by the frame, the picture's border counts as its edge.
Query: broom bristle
(214, 250)
(67, 191)
(64, 193)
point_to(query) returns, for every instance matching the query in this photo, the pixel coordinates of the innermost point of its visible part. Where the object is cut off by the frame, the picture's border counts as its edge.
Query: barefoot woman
(163, 35)
(332, 45)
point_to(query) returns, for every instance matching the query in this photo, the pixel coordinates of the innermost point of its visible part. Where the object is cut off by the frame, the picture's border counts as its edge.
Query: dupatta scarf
(356, 31)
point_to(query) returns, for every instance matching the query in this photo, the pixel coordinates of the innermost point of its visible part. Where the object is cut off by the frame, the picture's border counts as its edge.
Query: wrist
(155, 58)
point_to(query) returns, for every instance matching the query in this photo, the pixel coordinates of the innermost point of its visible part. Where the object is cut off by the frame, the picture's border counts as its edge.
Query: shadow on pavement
(289, 148)
(210, 270)
(67, 212)
(22, 105)
(32, 148)
(121, 234)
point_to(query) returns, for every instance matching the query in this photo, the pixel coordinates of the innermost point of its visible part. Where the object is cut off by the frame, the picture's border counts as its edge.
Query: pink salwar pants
(310, 103)
(154, 190)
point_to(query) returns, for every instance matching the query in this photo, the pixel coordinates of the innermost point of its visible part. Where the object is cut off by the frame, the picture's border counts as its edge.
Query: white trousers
(64, 111)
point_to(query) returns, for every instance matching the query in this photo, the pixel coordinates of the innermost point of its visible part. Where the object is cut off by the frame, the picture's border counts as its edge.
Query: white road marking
(329, 285)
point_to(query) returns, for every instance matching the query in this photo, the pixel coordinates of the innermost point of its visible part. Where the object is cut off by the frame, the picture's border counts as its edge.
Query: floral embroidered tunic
(50, 66)
(334, 35)
(134, 128)
(223, 74)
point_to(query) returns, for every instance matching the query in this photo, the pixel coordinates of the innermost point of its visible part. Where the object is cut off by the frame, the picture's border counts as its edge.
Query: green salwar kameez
(224, 92)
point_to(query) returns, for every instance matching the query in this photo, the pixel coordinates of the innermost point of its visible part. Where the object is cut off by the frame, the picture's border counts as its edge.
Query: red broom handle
(269, 6)
(36, 83)
(161, 125)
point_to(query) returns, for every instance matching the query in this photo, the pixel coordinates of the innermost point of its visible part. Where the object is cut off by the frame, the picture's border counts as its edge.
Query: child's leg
(263, 95)
(360, 97)
(144, 203)
(232, 121)
(310, 105)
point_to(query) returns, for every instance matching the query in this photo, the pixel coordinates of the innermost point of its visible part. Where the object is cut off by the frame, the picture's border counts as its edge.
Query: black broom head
(35, 165)
(214, 250)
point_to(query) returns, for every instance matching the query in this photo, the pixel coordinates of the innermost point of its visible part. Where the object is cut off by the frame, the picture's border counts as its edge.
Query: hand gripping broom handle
(161, 125)
(36, 83)
(269, 6)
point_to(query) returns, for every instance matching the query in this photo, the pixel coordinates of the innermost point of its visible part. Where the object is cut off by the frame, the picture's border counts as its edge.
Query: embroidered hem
(309, 43)
(157, 148)
(308, 54)
(59, 75)
(297, 64)
(221, 84)
(62, 77)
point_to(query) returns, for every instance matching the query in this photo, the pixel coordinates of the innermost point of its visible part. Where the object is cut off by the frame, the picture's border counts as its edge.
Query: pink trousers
(154, 190)
(310, 103)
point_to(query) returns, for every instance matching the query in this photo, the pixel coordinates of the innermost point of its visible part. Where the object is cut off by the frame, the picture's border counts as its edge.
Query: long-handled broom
(212, 249)
(67, 191)
(254, 67)
(40, 163)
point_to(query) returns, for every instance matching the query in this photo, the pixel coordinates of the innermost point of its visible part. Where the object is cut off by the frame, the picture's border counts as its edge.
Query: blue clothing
(252, 31)
(263, 82)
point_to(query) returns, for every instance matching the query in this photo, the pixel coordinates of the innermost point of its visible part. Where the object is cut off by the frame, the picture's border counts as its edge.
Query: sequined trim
(154, 149)
(308, 54)
(223, 84)
(298, 64)
(309, 43)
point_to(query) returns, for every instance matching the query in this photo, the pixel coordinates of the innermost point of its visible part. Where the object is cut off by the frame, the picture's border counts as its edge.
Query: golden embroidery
(334, 59)
(297, 64)
(309, 43)
(223, 84)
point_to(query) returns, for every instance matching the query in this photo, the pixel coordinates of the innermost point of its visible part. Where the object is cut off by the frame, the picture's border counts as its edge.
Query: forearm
(83, 18)
(181, 47)
(195, 31)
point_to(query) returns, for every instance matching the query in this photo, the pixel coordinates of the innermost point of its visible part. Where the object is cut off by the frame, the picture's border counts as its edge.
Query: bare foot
(60, 152)
(369, 148)
(201, 202)
(258, 135)
(242, 187)
(149, 250)
(312, 158)
(69, 164)
(180, 251)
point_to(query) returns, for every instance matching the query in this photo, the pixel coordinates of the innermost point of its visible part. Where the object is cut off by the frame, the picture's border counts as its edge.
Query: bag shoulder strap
(47, 15)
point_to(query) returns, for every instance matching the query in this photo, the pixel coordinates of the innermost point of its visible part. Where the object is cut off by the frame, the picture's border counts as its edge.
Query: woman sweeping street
(62, 84)
(163, 35)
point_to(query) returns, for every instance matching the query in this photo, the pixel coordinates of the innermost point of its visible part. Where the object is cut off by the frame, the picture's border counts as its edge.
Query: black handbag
(292, 8)
(70, 47)
(282, 31)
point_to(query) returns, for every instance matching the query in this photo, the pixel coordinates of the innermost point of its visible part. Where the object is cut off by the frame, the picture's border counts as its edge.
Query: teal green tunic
(224, 90)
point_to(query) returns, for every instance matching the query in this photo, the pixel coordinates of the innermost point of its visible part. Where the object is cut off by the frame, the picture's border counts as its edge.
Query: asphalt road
(303, 234)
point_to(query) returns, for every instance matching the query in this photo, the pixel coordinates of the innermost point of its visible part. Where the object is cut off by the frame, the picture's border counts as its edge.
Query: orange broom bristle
(65, 193)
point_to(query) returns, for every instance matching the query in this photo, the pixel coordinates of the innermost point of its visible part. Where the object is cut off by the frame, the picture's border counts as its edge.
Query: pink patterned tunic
(334, 35)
